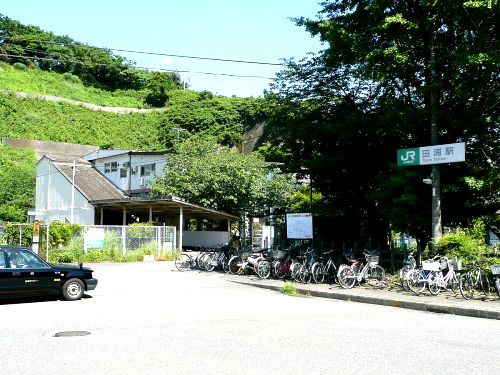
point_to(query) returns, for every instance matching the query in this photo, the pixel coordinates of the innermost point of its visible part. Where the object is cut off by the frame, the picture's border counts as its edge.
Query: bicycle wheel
(403, 274)
(295, 271)
(484, 284)
(454, 283)
(376, 274)
(305, 274)
(280, 269)
(234, 264)
(415, 281)
(318, 272)
(210, 261)
(225, 263)
(183, 262)
(202, 261)
(347, 278)
(466, 286)
(433, 283)
(263, 269)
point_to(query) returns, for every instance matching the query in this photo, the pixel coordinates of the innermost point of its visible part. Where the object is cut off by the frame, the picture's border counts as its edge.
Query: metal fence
(123, 239)
(127, 238)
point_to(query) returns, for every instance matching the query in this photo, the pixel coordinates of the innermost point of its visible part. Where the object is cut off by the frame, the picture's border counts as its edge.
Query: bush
(466, 244)
(72, 78)
(20, 66)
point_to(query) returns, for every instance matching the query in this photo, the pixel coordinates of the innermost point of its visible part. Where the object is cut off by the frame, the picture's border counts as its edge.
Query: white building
(130, 171)
(110, 187)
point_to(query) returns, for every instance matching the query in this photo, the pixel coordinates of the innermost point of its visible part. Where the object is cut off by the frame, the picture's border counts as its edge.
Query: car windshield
(21, 258)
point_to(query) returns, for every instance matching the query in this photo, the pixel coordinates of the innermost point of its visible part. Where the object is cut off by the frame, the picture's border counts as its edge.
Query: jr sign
(438, 154)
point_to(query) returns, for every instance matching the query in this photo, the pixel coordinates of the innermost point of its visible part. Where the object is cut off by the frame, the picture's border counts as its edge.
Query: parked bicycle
(438, 281)
(495, 271)
(320, 271)
(473, 280)
(305, 271)
(185, 261)
(371, 272)
(218, 257)
(409, 264)
(419, 278)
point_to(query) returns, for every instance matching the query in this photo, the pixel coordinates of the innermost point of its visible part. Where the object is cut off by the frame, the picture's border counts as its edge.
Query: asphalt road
(147, 318)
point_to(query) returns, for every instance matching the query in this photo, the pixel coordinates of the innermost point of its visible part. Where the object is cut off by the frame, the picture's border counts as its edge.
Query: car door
(6, 282)
(30, 275)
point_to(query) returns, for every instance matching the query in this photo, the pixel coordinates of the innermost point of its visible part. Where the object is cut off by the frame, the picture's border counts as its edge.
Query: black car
(24, 273)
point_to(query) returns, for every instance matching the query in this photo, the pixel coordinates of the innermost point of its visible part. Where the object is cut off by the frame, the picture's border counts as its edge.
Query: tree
(17, 183)
(215, 176)
(391, 71)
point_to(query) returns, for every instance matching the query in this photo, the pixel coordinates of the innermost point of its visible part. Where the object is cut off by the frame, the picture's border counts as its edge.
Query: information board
(299, 226)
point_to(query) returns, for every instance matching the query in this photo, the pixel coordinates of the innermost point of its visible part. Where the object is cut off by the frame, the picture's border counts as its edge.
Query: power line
(151, 53)
(136, 67)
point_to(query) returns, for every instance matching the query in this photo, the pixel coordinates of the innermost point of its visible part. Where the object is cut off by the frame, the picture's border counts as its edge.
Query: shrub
(20, 66)
(72, 78)
(466, 244)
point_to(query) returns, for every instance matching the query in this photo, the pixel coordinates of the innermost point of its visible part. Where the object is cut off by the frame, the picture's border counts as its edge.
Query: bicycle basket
(495, 269)
(430, 266)
(372, 259)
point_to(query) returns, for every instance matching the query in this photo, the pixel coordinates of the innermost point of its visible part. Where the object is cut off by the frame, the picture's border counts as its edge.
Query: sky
(248, 30)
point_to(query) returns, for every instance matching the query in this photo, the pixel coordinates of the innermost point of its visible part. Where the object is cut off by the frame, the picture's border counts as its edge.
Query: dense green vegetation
(394, 74)
(202, 171)
(37, 81)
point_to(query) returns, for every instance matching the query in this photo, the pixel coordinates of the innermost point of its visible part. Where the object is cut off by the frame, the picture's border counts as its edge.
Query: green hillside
(63, 122)
(36, 81)
(199, 114)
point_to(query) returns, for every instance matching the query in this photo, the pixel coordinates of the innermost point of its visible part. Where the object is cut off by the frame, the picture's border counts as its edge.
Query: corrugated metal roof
(88, 180)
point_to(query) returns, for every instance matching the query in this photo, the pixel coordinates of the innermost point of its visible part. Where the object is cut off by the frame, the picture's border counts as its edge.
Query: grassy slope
(62, 122)
(35, 81)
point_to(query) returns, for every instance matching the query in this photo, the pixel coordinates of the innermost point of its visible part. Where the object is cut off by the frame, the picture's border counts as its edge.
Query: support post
(181, 224)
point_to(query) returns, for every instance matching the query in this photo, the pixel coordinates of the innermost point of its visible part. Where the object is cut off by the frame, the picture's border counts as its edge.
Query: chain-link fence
(151, 240)
(148, 239)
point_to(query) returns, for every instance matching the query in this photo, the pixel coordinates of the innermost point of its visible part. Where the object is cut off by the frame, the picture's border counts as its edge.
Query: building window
(110, 167)
(147, 169)
(123, 172)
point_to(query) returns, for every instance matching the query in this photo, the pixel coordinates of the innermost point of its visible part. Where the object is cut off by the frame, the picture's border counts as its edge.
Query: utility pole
(437, 230)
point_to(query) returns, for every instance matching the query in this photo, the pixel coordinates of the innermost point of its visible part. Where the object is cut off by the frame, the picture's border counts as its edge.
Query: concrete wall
(204, 238)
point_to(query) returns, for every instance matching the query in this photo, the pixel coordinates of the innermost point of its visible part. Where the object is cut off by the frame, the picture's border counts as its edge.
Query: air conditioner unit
(141, 181)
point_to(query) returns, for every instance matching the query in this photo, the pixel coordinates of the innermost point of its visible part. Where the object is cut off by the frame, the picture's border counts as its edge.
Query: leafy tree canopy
(344, 112)
(206, 173)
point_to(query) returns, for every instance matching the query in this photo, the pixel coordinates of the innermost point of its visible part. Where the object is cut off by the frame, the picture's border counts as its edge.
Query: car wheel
(73, 289)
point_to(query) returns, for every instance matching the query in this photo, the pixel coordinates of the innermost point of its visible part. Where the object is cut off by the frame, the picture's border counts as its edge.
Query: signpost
(429, 155)
(433, 155)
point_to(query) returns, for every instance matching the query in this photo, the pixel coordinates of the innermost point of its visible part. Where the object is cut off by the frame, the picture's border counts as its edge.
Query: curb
(436, 307)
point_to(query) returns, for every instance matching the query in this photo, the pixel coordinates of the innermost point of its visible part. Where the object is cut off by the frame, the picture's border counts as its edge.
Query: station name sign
(438, 154)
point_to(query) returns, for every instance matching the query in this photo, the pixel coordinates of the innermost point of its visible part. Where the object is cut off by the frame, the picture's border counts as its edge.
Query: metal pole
(73, 192)
(47, 242)
(437, 230)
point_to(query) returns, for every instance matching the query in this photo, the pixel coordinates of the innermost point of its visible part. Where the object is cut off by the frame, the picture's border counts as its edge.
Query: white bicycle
(371, 272)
